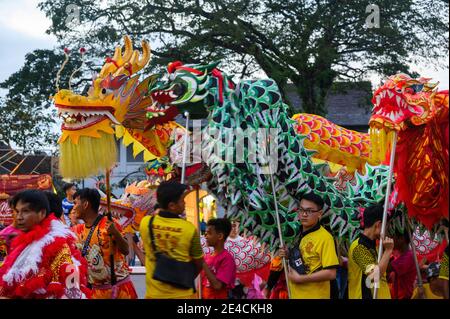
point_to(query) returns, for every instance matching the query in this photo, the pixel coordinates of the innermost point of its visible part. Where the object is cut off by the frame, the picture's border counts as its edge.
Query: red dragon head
(402, 101)
(415, 114)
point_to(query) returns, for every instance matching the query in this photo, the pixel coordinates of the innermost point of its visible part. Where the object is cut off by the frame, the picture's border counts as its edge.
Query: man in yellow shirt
(318, 254)
(362, 261)
(433, 288)
(443, 272)
(174, 237)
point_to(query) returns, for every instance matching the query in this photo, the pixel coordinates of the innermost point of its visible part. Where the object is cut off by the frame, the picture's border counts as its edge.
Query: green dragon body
(244, 188)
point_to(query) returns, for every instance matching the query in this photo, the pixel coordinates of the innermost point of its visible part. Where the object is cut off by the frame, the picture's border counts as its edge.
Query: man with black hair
(316, 252)
(174, 236)
(54, 204)
(363, 269)
(219, 269)
(67, 203)
(94, 241)
(44, 261)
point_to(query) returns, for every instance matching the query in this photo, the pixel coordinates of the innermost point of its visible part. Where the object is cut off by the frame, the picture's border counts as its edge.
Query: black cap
(433, 270)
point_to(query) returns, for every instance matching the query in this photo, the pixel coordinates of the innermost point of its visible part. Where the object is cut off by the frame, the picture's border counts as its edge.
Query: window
(118, 146)
(131, 159)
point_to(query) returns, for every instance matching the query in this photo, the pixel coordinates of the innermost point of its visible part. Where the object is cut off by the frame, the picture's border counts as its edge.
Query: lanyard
(89, 237)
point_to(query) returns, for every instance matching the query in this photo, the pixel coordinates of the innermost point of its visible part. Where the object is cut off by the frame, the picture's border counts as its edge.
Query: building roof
(11, 162)
(348, 104)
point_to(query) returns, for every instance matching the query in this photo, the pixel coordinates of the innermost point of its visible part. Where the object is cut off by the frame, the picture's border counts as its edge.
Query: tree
(310, 43)
(26, 113)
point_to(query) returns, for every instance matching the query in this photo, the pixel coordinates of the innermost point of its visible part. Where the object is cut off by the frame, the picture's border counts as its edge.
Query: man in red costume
(43, 261)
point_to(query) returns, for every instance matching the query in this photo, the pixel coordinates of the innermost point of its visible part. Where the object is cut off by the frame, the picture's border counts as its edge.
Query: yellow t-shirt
(318, 252)
(443, 271)
(177, 238)
(361, 260)
(428, 293)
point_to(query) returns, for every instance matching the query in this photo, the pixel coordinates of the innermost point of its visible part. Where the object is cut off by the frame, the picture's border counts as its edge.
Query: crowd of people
(67, 249)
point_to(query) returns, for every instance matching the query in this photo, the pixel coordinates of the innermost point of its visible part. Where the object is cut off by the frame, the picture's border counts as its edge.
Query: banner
(12, 184)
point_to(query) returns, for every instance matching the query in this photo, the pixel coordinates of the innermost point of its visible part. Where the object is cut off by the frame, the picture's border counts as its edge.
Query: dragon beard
(88, 156)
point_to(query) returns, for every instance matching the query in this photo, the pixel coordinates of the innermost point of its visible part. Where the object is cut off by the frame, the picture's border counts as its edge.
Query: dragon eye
(172, 77)
(106, 91)
(178, 89)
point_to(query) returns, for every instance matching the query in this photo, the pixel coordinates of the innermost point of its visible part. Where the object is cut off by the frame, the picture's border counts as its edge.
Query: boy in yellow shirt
(363, 255)
(318, 254)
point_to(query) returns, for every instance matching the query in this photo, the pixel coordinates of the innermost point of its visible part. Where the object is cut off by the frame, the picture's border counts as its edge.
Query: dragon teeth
(378, 98)
(398, 99)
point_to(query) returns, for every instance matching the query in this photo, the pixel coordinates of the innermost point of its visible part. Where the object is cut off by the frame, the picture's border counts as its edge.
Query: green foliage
(26, 114)
(308, 43)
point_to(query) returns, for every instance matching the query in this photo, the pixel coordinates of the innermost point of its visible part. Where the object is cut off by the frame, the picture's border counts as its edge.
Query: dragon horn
(146, 54)
(118, 60)
(128, 51)
(135, 64)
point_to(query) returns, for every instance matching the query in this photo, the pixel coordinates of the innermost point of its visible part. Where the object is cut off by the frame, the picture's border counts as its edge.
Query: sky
(22, 30)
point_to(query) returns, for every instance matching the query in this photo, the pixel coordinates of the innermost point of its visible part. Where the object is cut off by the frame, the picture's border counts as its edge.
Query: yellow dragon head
(87, 143)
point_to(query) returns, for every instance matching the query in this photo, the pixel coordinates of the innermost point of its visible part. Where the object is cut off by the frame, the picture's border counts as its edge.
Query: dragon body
(245, 188)
(255, 153)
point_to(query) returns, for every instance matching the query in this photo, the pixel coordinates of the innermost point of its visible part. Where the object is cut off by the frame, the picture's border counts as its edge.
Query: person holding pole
(363, 270)
(94, 241)
(317, 253)
(432, 289)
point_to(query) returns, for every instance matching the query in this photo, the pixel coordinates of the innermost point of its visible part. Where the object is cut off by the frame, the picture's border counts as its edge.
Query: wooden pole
(280, 234)
(416, 261)
(197, 209)
(277, 213)
(109, 215)
(185, 147)
(386, 202)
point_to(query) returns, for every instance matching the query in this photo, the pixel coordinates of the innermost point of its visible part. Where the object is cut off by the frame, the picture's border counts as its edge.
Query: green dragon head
(193, 88)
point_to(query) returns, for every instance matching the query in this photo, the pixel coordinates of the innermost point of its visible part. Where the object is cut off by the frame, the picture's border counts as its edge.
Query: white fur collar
(30, 258)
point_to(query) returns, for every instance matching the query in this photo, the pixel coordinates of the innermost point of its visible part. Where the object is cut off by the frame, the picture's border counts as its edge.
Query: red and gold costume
(44, 263)
(279, 290)
(99, 267)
